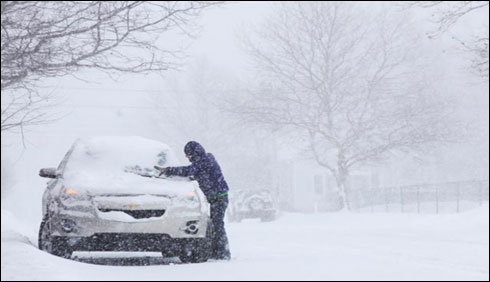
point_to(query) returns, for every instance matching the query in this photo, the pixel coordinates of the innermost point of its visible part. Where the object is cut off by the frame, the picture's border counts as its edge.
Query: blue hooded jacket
(204, 168)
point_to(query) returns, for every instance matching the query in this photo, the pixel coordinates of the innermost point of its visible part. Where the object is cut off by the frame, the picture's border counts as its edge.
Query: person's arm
(184, 171)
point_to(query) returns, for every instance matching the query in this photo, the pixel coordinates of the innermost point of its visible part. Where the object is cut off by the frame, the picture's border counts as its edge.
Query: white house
(304, 186)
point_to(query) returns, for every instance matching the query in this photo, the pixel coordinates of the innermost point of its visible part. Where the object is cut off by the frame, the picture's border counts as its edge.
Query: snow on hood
(97, 166)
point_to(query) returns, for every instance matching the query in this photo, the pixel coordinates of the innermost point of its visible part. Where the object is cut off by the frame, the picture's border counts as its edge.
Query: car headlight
(72, 197)
(189, 199)
(71, 191)
(192, 196)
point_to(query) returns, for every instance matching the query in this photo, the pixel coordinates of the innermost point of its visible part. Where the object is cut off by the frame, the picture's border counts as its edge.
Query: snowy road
(307, 247)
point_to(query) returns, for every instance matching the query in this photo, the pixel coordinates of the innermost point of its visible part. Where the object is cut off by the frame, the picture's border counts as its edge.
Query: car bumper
(135, 242)
(256, 213)
(70, 223)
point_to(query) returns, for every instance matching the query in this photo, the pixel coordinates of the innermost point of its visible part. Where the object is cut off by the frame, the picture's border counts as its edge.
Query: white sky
(219, 40)
(97, 107)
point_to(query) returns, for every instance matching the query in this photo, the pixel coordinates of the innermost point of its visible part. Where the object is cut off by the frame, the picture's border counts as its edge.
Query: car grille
(138, 214)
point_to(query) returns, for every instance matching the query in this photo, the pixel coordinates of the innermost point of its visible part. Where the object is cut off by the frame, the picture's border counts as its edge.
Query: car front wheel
(200, 250)
(55, 245)
(195, 252)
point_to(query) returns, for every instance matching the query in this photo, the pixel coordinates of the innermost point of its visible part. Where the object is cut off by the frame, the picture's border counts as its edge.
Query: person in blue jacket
(206, 171)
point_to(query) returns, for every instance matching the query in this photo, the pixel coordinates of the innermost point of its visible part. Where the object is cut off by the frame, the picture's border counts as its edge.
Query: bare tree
(449, 13)
(346, 82)
(187, 105)
(43, 39)
(190, 109)
(26, 107)
(479, 50)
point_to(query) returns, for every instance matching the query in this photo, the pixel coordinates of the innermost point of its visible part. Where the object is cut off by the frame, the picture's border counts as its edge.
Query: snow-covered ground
(337, 246)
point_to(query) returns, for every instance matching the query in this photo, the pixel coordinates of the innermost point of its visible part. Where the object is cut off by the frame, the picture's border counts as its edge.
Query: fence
(427, 198)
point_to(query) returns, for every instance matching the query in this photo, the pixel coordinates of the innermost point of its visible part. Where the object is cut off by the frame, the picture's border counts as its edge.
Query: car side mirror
(48, 172)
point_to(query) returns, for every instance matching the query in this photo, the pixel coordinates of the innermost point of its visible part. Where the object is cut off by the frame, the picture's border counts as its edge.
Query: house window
(318, 182)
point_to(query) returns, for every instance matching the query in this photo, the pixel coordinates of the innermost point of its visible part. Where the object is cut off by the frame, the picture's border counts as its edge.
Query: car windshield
(116, 154)
(110, 164)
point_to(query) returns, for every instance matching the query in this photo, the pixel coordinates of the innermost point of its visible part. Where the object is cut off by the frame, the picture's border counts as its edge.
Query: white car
(96, 202)
(252, 204)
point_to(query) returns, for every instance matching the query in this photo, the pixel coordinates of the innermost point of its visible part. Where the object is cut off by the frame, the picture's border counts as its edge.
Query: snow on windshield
(100, 164)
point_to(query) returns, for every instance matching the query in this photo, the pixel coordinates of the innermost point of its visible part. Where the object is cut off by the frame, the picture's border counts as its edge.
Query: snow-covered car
(251, 204)
(97, 202)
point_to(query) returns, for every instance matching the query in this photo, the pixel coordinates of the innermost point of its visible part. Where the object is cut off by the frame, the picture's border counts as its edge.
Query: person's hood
(194, 150)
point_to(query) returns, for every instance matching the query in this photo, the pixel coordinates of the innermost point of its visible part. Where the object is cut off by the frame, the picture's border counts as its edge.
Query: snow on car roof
(99, 164)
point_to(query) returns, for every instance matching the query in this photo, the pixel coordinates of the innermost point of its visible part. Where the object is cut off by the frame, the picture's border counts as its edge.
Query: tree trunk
(341, 180)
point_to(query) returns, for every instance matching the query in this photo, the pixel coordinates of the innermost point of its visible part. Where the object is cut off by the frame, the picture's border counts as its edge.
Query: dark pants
(221, 249)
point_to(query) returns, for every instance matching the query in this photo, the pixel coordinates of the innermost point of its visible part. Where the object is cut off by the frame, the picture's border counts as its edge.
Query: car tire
(234, 217)
(55, 245)
(194, 252)
(256, 205)
(198, 251)
(238, 218)
(267, 218)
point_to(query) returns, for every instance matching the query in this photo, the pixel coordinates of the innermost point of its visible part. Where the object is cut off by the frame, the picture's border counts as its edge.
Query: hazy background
(177, 106)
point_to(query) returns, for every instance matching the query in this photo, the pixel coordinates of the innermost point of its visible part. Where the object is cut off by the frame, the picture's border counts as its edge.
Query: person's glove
(162, 170)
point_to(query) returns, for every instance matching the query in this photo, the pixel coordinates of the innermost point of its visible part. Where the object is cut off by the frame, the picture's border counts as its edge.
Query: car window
(64, 161)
